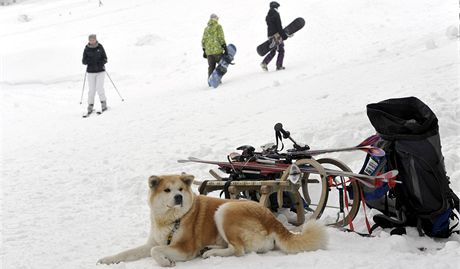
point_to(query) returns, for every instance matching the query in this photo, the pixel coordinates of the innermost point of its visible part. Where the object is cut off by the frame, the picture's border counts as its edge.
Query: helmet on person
(274, 4)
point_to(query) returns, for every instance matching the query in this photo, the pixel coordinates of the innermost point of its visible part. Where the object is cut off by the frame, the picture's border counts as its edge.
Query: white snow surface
(74, 190)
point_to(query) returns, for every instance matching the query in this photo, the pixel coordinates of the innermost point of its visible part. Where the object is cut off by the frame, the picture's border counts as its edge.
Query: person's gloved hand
(224, 46)
(284, 36)
(204, 54)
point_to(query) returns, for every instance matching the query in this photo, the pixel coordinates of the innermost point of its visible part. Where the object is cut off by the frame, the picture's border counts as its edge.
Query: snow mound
(24, 18)
(452, 32)
(148, 40)
(431, 44)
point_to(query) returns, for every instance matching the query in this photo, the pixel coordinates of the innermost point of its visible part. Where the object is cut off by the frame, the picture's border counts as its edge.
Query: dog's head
(170, 196)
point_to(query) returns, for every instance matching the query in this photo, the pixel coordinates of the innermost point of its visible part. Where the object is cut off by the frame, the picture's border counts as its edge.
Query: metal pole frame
(83, 89)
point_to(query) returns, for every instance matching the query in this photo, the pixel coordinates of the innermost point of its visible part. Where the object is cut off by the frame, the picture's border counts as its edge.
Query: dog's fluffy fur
(212, 227)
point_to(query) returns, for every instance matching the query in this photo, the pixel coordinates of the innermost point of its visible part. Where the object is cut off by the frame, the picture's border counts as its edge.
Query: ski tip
(370, 140)
(373, 151)
(388, 175)
(189, 159)
(376, 152)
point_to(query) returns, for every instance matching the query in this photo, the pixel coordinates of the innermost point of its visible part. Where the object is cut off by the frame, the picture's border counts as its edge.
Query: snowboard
(276, 39)
(226, 59)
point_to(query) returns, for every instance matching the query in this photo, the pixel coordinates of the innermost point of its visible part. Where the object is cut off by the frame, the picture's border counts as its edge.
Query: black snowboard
(276, 39)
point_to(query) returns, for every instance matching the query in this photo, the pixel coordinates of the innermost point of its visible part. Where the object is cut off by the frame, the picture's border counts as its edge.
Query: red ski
(365, 146)
(264, 169)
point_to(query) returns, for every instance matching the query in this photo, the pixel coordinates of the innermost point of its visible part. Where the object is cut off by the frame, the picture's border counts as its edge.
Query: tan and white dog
(185, 225)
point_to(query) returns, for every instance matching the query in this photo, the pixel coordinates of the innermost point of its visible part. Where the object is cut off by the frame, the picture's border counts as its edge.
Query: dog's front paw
(109, 260)
(163, 260)
(208, 253)
(160, 258)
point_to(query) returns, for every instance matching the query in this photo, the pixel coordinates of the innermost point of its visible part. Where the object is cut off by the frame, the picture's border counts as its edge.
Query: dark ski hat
(274, 4)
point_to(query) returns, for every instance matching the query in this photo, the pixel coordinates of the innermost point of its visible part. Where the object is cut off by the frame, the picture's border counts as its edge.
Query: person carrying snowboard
(95, 58)
(213, 43)
(274, 27)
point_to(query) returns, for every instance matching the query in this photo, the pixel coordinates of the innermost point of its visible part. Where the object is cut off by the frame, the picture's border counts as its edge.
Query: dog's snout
(178, 199)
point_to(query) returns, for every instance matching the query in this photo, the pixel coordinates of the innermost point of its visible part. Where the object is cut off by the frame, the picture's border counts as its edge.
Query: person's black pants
(213, 60)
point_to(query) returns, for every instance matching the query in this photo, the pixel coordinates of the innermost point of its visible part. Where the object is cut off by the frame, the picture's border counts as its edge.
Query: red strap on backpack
(350, 221)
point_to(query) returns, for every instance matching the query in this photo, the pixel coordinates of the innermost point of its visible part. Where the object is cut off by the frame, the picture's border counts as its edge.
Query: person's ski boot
(278, 68)
(103, 106)
(264, 66)
(90, 108)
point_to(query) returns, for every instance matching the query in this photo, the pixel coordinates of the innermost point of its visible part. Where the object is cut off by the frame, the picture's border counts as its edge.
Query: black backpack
(410, 137)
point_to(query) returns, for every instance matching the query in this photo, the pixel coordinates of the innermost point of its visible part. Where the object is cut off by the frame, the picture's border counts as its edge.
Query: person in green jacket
(213, 43)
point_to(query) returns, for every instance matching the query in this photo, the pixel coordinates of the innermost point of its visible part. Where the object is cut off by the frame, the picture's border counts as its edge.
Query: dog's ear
(187, 179)
(154, 181)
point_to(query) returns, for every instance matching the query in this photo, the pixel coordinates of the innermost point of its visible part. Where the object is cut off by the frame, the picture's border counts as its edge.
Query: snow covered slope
(74, 190)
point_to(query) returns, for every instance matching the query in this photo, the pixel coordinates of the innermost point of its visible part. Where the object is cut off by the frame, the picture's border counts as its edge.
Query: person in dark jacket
(275, 28)
(95, 58)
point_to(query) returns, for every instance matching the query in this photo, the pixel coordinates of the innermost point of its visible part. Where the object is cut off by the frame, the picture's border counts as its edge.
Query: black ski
(99, 112)
(87, 114)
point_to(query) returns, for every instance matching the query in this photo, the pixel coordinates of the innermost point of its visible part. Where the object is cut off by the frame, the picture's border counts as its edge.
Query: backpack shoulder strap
(456, 202)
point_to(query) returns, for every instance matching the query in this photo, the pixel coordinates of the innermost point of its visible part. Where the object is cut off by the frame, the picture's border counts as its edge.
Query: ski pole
(83, 89)
(114, 86)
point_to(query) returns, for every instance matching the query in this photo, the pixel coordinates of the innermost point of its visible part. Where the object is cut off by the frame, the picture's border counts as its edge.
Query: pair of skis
(87, 114)
(250, 167)
(366, 146)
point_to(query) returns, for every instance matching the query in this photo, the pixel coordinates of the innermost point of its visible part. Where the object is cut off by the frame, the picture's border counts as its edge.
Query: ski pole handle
(279, 128)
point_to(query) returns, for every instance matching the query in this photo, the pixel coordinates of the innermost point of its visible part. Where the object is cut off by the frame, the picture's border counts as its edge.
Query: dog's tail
(312, 237)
